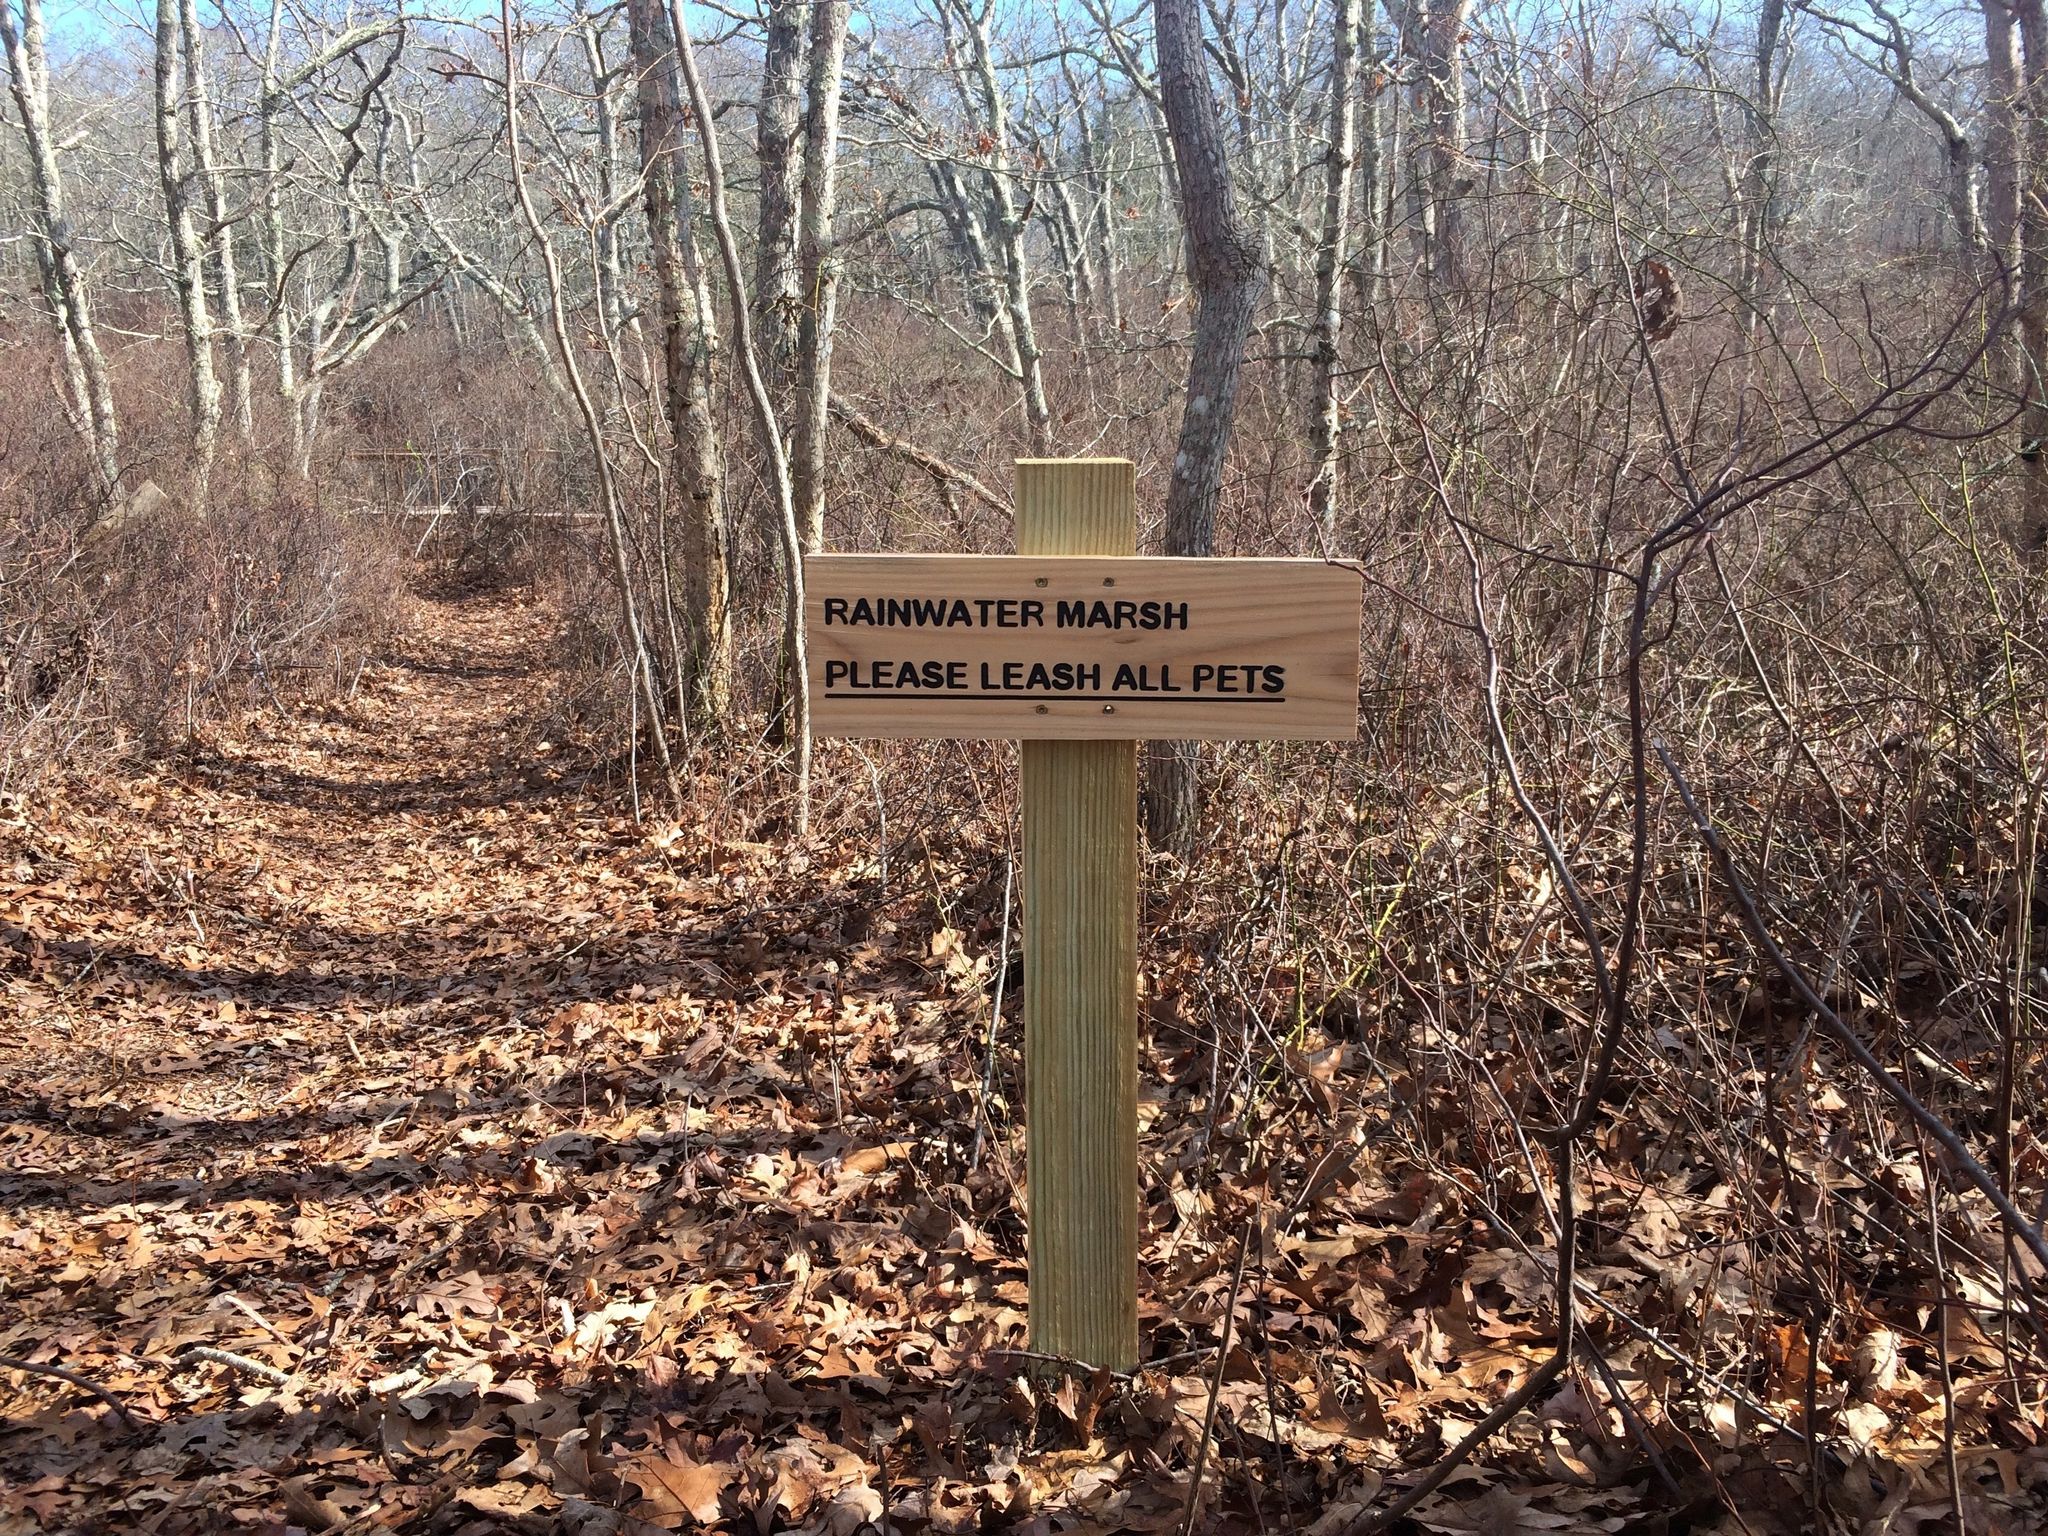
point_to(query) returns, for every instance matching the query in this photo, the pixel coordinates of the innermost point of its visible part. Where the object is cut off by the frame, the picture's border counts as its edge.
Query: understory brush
(125, 634)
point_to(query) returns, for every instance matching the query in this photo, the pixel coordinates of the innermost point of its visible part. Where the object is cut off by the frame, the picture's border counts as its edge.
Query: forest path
(363, 1046)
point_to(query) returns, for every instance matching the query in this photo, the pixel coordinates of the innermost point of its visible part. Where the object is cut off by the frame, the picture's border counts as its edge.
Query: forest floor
(410, 1140)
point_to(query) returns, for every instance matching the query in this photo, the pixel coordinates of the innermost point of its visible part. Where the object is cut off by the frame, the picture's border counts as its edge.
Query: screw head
(1109, 709)
(1038, 709)
(1039, 582)
(1109, 581)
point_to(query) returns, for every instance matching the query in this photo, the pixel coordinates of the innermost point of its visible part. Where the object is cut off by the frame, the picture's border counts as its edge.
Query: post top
(1099, 460)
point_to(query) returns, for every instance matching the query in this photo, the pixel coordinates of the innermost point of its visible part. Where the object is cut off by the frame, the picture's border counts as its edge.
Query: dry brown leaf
(671, 1484)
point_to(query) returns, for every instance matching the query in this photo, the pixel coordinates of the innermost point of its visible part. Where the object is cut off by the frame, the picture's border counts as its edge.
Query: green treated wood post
(1080, 837)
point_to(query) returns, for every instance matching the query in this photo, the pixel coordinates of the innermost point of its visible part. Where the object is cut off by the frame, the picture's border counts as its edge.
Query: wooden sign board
(1070, 648)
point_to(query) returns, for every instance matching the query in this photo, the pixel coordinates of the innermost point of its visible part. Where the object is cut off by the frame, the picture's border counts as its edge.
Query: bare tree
(2003, 132)
(638, 654)
(219, 239)
(1760, 169)
(1339, 158)
(320, 319)
(981, 92)
(187, 250)
(688, 347)
(1893, 58)
(2032, 17)
(1437, 31)
(1225, 270)
(767, 430)
(818, 287)
(778, 137)
(63, 275)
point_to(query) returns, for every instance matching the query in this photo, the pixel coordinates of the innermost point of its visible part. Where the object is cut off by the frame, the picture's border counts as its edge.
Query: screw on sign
(1079, 648)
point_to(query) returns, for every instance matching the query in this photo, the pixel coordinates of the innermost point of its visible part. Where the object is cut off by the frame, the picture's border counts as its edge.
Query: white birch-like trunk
(819, 266)
(778, 152)
(688, 347)
(206, 172)
(1342, 128)
(766, 427)
(593, 423)
(64, 282)
(188, 254)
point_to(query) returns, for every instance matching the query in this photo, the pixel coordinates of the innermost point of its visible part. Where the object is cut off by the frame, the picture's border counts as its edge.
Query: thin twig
(995, 1017)
(1927, 1119)
(72, 1378)
(1244, 1248)
(233, 1361)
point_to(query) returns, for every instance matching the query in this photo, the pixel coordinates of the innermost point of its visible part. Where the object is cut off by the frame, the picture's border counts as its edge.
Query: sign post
(1080, 837)
(1079, 649)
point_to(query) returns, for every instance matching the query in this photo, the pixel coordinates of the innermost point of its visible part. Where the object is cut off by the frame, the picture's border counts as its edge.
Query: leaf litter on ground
(413, 1142)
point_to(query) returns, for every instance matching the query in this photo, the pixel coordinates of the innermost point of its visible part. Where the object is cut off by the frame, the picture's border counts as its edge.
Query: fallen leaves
(600, 1179)
(674, 1486)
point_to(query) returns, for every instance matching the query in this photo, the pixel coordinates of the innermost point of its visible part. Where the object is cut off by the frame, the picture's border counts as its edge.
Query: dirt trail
(362, 867)
(379, 1111)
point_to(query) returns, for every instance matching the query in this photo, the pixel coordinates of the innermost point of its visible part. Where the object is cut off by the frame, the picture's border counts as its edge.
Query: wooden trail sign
(1069, 648)
(1080, 649)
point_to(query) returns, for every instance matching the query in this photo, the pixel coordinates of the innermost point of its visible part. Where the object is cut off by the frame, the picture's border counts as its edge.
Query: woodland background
(1604, 1096)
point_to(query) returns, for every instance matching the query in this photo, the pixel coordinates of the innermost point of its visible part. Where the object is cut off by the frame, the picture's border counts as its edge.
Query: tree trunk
(64, 284)
(637, 655)
(206, 171)
(687, 344)
(1225, 271)
(2002, 133)
(1329, 316)
(1100, 223)
(2003, 137)
(1439, 28)
(778, 137)
(1760, 174)
(610, 271)
(188, 256)
(2033, 278)
(1012, 216)
(819, 287)
(765, 424)
(282, 337)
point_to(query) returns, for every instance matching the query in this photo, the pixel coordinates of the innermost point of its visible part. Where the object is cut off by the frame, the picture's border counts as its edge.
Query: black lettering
(835, 610)
(1126, 614)
(1126, 680)
(863, 611)
(1204, 672)
(1072, 613)
(1088, 677)
(1175, 615)
(837, 671)
(1273, 680)
(1032, 614)
(956, 676)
